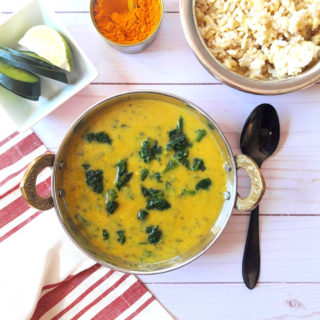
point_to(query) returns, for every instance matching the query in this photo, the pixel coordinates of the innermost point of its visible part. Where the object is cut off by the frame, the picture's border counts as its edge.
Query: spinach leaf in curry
(123, 176)
(94, 179)
(178, 140)
(85, 166)
(155, 234)
(182, 156)
(101, 137)
(172, 164)
(143, 174)
(204, 184)
(198, 164)
(111, 204)
(157, 176)
(187, 192)
(155, 199)
(210, 125)
(148, 229)
(142, 214)
(200, 134)
(180, 144)
(121, 236)
(149, 150)
(105, 234)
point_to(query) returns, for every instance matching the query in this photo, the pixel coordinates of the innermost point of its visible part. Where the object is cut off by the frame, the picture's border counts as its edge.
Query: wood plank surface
(280, 301)
(73, 5)
(211, 287)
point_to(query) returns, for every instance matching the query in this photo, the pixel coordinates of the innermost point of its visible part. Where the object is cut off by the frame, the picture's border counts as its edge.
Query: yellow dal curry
(145, 181)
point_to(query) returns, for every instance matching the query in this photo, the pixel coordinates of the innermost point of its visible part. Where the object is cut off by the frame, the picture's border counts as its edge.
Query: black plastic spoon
(259, 139)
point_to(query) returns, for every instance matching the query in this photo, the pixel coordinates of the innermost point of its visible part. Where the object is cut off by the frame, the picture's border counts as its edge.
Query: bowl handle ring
(28, 183)
(258, 185)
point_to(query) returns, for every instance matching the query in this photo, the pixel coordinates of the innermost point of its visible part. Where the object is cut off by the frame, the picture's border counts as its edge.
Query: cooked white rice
(261, 39)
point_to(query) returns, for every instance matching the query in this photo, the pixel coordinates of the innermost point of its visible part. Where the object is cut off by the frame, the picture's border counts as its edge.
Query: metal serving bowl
(128, 48)
(233, 79)
(59, 163)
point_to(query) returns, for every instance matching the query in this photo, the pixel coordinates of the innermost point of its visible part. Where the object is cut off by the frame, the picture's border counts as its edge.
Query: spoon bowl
(261, 133)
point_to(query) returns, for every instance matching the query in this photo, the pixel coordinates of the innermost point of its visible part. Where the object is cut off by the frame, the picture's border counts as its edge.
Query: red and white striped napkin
(42, 274)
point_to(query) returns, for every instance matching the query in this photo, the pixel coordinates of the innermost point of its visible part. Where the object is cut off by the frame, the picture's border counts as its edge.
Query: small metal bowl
(128, 48)
(233, 79)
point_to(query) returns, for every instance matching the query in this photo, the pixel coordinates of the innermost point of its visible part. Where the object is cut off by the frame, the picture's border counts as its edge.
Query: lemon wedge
(48, 44)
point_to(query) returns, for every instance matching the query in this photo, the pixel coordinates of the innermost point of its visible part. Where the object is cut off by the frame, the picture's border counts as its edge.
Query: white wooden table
(212, 286)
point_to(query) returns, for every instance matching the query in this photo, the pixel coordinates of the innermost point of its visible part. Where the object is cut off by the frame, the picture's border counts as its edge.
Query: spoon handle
(251, 255)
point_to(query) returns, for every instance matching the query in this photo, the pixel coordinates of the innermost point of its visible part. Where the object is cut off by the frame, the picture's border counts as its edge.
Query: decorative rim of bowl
(231, 78)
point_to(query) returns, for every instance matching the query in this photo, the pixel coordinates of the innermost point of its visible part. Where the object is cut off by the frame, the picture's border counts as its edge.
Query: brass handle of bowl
(29, 180)
(258, 185)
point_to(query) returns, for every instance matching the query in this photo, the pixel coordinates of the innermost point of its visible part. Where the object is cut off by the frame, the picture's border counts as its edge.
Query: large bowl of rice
(257, 46)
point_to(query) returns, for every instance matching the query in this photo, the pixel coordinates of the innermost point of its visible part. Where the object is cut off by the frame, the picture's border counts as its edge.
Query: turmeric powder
(128, 27)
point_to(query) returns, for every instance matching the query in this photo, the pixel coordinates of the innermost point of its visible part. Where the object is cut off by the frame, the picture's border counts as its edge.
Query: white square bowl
(25, 113)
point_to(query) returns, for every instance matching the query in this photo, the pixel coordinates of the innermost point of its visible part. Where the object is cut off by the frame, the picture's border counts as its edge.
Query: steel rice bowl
(231, 78)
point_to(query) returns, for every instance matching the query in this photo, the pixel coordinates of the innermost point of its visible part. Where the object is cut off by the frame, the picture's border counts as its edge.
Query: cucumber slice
(18, 56)
(49, 73)
(22, 83)
(17, 74)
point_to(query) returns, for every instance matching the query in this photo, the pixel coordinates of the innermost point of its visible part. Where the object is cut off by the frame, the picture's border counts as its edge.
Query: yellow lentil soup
(144, 180)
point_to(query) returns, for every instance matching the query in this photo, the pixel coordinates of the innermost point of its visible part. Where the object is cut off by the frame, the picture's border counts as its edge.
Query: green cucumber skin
(18, 56)
(42, 71)
(25, 89)
(8, 83)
